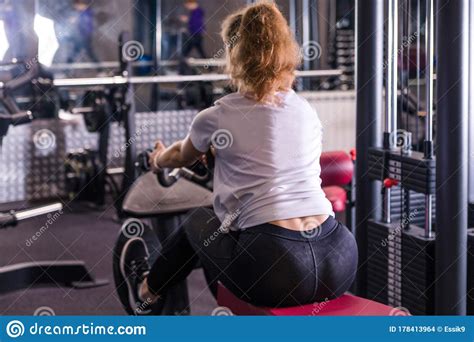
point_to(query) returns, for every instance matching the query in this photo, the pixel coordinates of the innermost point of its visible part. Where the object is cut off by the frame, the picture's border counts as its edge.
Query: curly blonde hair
(230, 29)
(265, 56)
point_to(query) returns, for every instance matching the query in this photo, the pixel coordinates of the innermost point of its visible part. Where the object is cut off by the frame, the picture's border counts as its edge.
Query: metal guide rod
(158, 53)
(306, 39)
(429, 39)
(117, 80)
(306, 29)
(418, 65)
(30, 213)
(391, 93)
(293, 16)
(471, 106)
(158, 32)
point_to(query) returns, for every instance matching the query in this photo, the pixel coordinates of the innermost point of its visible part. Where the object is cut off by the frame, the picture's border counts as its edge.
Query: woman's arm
(181, 153)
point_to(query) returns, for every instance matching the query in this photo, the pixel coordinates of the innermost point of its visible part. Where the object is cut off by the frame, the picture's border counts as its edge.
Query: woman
(272, 238)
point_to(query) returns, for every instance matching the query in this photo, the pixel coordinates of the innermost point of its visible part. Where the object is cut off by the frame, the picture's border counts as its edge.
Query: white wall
(337, 112)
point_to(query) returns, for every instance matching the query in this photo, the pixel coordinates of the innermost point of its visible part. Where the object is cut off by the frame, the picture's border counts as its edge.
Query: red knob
(353, 154)
(389, 183)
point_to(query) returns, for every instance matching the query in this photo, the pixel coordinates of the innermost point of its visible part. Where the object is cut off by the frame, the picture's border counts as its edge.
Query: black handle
(7, 220)
(167, 177)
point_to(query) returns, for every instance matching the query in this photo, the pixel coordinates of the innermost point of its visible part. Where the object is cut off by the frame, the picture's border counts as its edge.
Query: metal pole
(429, 38)
(129, 123)
(118, 80)
(315, 34)
(293, 16)
(451, 164)
(471, 104)
(306, 31)
(392, 71)
(155, 99)
(30, 213)
(391, 93)
(428, 148)
(158, 33)
(418, 67)
(369, 85)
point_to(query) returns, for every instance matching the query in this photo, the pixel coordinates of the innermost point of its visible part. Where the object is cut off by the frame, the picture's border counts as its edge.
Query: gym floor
(80, 233)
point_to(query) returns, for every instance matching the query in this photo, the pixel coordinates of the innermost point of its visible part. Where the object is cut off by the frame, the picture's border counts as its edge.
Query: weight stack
(400, 267)
(384, 263)
(470, 272)
(418, 271)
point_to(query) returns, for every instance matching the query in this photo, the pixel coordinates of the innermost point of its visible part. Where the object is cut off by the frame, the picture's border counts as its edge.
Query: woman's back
(267, 160)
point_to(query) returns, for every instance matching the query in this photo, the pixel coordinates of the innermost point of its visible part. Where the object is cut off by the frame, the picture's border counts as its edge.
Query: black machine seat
(148, 198)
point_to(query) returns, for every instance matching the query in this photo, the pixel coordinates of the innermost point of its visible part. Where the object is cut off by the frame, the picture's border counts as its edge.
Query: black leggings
(265, 265)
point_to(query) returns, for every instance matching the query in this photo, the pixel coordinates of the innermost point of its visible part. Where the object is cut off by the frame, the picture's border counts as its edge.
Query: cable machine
(420, 265)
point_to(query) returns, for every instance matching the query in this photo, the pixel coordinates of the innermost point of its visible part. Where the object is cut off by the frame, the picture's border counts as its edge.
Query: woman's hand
(203, 159)
(155, 156)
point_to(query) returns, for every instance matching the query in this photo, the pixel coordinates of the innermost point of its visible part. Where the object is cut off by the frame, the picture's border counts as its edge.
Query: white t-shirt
(267, 161)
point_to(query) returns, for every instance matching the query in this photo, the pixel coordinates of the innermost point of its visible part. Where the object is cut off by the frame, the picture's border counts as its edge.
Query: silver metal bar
(30, 213)
(429, 39)
(196, 62)
(470, 192)
(158, 32)
(293, 16)
(392, 69)
(306, 30)
(93, 65)
(418, 64)
(115, 171)
(118, 80)
(391, 91)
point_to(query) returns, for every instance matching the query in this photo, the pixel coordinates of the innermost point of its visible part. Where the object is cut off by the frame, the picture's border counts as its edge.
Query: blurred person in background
(196, 27)
(82, 22)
